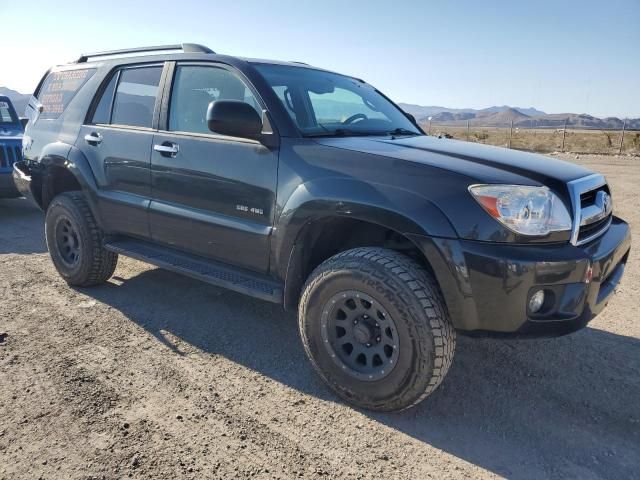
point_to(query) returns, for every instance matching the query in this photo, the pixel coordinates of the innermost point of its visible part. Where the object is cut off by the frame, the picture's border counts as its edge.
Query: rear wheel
(75, 242)
(376, 329)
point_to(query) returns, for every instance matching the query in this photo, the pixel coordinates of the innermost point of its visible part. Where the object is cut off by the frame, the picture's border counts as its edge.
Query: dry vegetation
(546, 140)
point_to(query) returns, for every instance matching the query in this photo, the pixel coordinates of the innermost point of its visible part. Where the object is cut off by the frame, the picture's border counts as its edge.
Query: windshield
(327, 104)
(7, 114)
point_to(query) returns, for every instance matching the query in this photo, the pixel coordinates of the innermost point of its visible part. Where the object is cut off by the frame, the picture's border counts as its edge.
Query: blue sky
(569, 56)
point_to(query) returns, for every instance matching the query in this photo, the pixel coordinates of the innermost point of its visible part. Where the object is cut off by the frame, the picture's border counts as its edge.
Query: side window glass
(103, 110)
(194, 87)
(136, 96)
(58, 90)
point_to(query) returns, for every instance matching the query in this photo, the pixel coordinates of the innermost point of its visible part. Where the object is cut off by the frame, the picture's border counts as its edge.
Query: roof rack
(185, 47)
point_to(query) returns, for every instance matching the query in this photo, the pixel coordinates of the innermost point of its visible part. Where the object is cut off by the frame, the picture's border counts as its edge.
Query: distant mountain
(421, 112)
(521, 117)
(19, 100)
(527, 111)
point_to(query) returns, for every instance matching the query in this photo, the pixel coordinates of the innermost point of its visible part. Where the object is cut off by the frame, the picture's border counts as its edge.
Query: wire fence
(547, 138)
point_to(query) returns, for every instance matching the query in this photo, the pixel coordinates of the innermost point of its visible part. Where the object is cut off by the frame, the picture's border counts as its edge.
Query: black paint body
(415, 186)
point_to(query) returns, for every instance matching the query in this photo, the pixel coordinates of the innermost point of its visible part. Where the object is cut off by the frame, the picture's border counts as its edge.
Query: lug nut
(368, 344)
(355, 322)
(377, 339)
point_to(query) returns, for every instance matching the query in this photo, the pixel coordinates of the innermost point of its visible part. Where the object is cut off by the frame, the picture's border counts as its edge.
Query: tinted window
(136, 96)
(103, 110)
(194, 87)
(58, 90)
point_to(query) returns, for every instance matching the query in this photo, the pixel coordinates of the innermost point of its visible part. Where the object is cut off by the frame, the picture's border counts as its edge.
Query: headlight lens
(525, 210)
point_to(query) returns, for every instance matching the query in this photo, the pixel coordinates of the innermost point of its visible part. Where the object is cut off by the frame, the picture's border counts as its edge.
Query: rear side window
(135, 96)
(59, 88)
(102, 113)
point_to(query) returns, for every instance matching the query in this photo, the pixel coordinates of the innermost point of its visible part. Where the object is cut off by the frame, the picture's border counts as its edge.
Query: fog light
(536, 301)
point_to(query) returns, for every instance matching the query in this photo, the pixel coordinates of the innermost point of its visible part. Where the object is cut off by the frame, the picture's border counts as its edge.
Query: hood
(10, 132)
(482, 163)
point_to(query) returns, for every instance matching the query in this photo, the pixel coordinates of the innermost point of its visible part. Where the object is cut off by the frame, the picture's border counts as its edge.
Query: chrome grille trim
(577, 188)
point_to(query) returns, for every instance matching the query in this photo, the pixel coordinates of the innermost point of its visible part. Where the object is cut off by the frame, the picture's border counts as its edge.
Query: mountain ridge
(522, 117)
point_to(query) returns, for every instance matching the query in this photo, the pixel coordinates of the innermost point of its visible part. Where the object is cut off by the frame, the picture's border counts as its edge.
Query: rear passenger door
(117, 143)
(213, 195)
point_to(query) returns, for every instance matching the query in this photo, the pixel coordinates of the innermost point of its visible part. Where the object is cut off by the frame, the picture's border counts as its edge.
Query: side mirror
(234, 118)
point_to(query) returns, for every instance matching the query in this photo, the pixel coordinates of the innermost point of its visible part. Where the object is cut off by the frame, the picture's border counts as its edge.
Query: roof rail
(185, 47)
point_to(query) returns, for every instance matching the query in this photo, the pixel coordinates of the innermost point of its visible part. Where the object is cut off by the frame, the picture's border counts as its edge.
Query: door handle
(93, 138)
(167, 149)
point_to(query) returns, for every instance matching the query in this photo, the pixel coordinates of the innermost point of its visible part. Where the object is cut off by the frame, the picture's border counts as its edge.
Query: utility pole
(510, 133)
(624, 125)
(429, 132)
(467, 130)
(564, 133)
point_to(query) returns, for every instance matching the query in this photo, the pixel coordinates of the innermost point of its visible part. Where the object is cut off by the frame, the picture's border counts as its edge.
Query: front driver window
(194, 87)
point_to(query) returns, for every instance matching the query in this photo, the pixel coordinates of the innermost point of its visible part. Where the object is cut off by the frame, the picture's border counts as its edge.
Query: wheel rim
(360, 335)
(67, 242)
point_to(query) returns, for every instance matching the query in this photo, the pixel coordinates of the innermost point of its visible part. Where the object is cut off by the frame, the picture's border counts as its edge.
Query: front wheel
(376, 329)
(75, 242)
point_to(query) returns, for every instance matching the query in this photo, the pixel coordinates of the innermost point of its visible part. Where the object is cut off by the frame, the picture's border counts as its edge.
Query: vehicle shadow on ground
(21, 226)
(521, 409)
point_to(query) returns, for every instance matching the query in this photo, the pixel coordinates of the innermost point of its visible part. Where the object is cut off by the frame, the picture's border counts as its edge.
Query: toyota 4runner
(311, 189)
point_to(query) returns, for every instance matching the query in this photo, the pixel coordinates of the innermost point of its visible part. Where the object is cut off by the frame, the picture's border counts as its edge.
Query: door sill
(200, 268)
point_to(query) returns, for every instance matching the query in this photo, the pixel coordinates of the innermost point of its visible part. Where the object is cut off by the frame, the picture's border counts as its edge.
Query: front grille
(587, 231)
(589, 195)
(9, 154)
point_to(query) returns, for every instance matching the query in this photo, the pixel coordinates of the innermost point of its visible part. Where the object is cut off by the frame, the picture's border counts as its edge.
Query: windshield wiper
(344, 132)
(403, 131)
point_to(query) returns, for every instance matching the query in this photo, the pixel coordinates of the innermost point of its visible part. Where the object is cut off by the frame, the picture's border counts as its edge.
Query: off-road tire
(411, 296)
(95, 264)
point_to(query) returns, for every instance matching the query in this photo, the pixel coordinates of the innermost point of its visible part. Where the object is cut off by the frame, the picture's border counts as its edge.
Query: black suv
(312, 189)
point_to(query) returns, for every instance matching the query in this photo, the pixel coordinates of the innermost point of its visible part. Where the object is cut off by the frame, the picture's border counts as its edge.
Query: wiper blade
(403, 131)
(345, 132)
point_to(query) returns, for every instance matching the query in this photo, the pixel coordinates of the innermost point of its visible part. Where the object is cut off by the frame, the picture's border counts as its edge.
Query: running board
(200, 268)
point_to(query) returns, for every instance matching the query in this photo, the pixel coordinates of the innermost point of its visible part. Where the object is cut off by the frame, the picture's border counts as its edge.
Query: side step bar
(210, 271)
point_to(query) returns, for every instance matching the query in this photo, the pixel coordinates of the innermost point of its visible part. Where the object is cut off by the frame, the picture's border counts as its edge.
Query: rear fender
(65, 156)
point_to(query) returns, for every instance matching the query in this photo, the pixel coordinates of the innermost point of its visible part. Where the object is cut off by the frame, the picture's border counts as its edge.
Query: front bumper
(487, 286)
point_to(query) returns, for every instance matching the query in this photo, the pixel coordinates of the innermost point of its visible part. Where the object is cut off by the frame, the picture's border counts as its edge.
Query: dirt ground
(155, 375)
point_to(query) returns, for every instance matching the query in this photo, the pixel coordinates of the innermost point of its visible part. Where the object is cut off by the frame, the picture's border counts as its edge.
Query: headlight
(523, 209)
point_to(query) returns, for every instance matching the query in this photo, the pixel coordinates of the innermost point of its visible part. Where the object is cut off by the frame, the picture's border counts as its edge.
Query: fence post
(564, 133)
(467, 130)
(510, 133)
(624, 124)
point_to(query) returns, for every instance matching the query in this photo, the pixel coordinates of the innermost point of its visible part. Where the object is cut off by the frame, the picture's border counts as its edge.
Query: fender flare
(70, 158)
(403, 211)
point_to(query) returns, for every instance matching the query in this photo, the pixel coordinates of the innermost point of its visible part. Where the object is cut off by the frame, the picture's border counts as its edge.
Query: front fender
(401, 210)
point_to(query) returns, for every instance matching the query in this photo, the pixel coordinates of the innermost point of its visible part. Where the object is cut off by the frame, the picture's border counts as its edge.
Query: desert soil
(154, 375)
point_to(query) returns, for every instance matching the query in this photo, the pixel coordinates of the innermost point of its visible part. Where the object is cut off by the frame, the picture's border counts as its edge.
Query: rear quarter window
(58, 90)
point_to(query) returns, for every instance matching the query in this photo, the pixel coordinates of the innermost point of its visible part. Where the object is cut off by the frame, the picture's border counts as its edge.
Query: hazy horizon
(568, 57)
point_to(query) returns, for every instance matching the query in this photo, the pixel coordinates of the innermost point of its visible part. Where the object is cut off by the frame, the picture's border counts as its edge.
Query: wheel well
(57, 180)
(325, 238)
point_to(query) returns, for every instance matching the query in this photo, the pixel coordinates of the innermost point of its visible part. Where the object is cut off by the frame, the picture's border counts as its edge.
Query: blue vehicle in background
(11, 132)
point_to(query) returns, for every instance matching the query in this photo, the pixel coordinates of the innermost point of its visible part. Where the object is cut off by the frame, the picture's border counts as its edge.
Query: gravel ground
(155, 375)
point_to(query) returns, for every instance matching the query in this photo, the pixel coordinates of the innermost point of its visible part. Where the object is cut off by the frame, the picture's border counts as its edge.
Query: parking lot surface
(154, 375)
